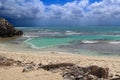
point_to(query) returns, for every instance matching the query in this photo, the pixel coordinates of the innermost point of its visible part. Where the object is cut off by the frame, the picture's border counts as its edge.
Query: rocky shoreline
(8, 30)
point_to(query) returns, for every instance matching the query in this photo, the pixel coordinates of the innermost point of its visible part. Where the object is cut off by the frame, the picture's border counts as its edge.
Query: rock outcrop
(86, 73)
(7, 29)
(74, 72)
(9, 62)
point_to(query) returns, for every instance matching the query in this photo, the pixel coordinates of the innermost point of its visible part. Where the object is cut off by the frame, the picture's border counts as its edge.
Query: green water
(48, 42)
(90, 41)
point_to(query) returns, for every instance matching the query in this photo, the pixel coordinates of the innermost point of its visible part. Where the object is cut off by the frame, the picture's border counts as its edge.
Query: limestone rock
(6, 62)
(98, 71)
(86, 73)
(28, 68)
(7, 29)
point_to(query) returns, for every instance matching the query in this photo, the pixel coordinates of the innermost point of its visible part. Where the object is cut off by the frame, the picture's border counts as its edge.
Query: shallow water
(80, 40)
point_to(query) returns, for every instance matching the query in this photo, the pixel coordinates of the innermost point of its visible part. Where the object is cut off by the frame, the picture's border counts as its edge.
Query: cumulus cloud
(105, 12)
(22, 8)
(80, 12)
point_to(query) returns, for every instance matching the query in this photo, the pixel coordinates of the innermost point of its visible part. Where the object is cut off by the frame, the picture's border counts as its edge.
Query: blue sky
(49, 2)
(61, 12)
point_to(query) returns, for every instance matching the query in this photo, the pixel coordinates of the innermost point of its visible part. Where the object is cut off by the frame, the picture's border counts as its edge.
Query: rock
(2, 58)
(92, 77)
(74, 73)
(56, 66)
(7, 29)
(98, 71)
(9, 62)
(40, 64)
(18, 32)
(28, 68)
(19, 63)
(86, 73)
(6, 62)
(115, 79)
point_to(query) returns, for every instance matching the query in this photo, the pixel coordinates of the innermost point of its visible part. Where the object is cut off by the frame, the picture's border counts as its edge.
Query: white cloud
(106, 11)
(70, 10)
(76, 12)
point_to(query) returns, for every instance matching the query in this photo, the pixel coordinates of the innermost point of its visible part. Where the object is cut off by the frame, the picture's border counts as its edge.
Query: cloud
(71, 13)
(22, 8)
(67, 11)
(105, 12)
(78, 12)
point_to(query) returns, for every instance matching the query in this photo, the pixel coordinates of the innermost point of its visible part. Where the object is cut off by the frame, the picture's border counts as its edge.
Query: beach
(48, 57)
(60, 40)
(61, 54)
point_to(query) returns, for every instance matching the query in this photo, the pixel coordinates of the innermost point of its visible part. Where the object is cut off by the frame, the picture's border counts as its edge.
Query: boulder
(29, 67)
(86, 73)
(5, 61)
(98, 71)
(7, 29)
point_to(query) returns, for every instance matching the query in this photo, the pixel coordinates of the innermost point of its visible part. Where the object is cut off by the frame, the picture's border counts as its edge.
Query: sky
(61, 12)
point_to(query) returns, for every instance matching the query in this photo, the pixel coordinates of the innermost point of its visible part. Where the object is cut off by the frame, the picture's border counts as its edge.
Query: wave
(36, 47)
(114, 42)
(28, 40)
(43, 34)
(30, 44)
(111, 35)
(72, 33)
(89, 42)
(108, 42)
(33, 46)
(30, 36)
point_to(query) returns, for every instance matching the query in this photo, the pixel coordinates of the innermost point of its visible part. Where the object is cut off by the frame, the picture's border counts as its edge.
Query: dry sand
(46, 57)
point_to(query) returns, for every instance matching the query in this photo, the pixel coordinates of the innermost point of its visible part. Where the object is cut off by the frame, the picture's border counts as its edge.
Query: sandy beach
(48, 57)
(60, 40)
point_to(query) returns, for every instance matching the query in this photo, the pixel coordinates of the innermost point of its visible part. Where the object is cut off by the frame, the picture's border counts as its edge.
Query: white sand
(46, 57)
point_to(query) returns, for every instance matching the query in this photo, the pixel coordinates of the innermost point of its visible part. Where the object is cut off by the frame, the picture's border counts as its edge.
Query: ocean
(100, 41)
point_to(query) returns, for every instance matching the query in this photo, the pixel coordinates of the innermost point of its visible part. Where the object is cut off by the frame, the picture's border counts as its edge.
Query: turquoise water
(48, 42)
(89, 40)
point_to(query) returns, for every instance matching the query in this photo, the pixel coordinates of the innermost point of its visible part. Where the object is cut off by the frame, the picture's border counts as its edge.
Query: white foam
(89, 42)
(28, 40)
(112, 35)
(114, 42)
(71, 33)
(33, 46)
(30, 35)
(30, 44)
